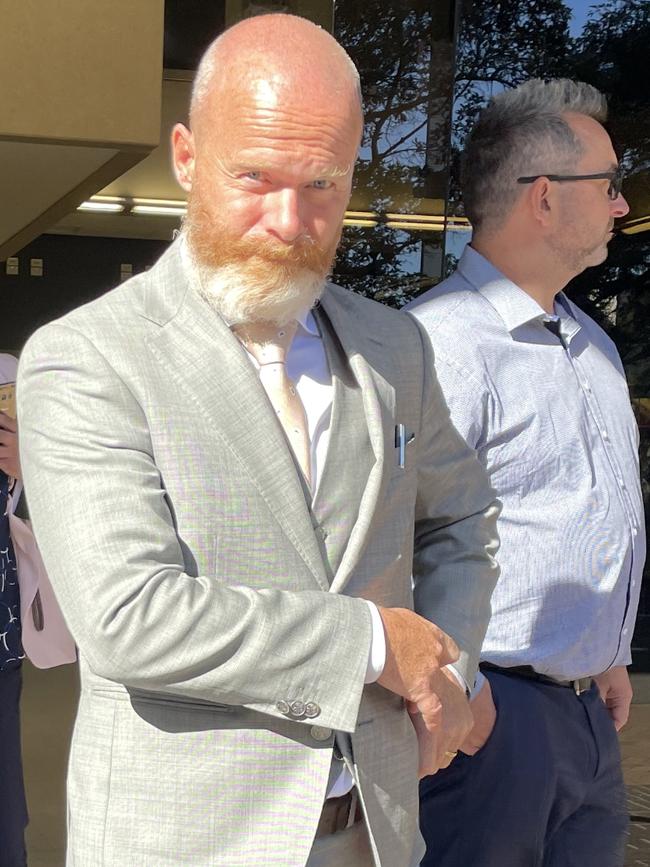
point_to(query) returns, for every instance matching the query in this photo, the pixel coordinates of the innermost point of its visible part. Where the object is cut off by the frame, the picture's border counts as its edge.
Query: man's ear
(183, 155)
(542, 200)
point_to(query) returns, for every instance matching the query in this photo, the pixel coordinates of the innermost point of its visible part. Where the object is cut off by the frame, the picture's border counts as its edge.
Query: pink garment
(45, 636)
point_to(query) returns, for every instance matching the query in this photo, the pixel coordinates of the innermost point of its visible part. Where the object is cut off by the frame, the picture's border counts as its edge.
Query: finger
(449, 650)
(427, 771)
(619, 717)
(447, 756)
(431, 715)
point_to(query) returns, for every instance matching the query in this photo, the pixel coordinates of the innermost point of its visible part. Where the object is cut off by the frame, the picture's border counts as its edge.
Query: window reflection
(404, 52)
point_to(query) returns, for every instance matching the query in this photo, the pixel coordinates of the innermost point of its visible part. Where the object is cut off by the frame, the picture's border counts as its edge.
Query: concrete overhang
(79, 105)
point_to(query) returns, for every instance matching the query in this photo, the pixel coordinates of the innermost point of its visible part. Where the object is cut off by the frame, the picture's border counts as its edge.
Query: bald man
(224, 479)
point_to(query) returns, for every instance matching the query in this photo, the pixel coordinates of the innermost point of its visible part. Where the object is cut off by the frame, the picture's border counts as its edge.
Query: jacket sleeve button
(320, 733)
(297, 708)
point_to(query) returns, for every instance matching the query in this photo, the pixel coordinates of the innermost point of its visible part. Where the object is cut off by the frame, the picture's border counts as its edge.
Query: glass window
(394, 243)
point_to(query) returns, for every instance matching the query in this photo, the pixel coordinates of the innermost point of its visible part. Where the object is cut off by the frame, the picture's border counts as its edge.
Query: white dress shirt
(550, 418)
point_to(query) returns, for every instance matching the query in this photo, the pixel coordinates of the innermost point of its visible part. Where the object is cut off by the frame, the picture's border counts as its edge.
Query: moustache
(302, 253)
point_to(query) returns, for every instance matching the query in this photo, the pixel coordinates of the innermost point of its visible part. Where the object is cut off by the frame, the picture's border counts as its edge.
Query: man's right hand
(416, 651)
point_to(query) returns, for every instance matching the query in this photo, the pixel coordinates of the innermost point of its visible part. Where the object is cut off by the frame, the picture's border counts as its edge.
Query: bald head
(268, 163)
(283, 54)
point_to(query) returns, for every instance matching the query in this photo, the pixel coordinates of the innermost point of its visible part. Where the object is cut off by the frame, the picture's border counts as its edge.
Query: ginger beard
(254, 279)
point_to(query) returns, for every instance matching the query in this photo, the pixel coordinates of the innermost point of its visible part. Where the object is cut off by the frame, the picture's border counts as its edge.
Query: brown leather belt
(338, 814)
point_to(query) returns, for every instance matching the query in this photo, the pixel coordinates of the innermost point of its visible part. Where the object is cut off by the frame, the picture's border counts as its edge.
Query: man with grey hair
(225, 483)
(538, 390)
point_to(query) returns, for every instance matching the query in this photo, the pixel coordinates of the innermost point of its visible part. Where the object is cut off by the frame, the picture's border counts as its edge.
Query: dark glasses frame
(615, 179)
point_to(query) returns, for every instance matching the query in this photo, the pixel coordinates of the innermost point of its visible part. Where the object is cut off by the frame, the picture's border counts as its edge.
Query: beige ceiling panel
(79, 104)
(81, 71)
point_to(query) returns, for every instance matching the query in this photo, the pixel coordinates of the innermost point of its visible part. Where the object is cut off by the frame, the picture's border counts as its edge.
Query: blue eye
(322, 184)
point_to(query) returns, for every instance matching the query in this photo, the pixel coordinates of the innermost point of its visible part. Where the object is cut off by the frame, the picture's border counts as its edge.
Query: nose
(283, 215)
(619, 206)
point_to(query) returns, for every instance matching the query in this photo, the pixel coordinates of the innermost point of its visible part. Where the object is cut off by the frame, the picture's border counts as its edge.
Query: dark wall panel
(75, 270)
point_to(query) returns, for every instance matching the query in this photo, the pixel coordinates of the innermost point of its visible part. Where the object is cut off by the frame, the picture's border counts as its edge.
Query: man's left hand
(438, 747)
(9, 460)
(484, 714)
(616, 691)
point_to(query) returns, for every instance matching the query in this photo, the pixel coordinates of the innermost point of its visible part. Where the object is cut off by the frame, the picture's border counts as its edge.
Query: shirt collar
(307, 322)
(513, 305)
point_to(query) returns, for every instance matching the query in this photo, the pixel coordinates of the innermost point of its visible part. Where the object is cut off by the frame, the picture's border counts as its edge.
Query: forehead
(267, 121)
(598, 151)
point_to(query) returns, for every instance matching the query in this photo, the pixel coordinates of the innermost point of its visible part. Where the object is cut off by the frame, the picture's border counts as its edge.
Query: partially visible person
(24, 595)
(538, 389)
(13, 809)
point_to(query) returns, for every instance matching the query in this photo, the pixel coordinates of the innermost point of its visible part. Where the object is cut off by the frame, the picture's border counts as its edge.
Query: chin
(241, 299)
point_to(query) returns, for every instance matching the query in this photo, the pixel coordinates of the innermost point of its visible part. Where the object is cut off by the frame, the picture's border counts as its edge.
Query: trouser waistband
(578, 685)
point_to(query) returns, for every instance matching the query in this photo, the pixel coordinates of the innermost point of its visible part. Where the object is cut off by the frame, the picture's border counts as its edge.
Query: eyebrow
(336, 172)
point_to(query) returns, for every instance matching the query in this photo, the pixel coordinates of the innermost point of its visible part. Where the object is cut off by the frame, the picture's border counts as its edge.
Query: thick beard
(254, 280)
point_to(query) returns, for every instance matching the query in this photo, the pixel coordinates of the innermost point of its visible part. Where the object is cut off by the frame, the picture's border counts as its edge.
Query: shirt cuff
(478, 685)
(459, 677)
(377, 655)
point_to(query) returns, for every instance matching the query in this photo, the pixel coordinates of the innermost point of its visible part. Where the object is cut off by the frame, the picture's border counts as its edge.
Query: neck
(530, 266)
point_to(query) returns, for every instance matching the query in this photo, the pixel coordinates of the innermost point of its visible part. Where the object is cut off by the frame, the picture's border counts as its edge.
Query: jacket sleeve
(454, 568)
(107, 538)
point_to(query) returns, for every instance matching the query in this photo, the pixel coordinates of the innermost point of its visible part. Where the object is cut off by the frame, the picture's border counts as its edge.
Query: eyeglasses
(613, 191)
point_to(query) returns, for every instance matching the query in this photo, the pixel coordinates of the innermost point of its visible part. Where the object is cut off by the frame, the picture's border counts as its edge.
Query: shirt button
(320, 733)
(283, 707)
(605, 436)
(297, 708)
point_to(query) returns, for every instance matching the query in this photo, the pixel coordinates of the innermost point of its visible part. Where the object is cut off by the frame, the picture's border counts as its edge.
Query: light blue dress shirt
(551, 420)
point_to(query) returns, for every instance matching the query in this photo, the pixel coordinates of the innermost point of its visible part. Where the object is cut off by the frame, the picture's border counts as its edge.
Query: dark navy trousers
(546, 790)
(13, 809)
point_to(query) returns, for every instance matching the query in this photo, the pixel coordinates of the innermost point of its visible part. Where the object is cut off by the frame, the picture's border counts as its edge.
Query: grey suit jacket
(218, 612)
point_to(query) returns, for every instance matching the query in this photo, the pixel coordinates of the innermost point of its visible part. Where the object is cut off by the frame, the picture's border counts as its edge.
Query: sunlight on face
(273, 178)
(248, 279)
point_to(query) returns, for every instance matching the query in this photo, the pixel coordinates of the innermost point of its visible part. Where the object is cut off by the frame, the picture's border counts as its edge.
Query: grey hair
(209, 63)
(521, 132)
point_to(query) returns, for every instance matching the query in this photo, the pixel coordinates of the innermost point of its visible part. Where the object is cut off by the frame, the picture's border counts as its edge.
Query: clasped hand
(416, 653)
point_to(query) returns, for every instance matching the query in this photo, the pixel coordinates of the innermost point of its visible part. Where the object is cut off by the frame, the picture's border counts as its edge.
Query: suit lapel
(377, 400)
(212, 370)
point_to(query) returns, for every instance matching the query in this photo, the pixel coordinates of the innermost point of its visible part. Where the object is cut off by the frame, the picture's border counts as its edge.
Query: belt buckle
(581, 684)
